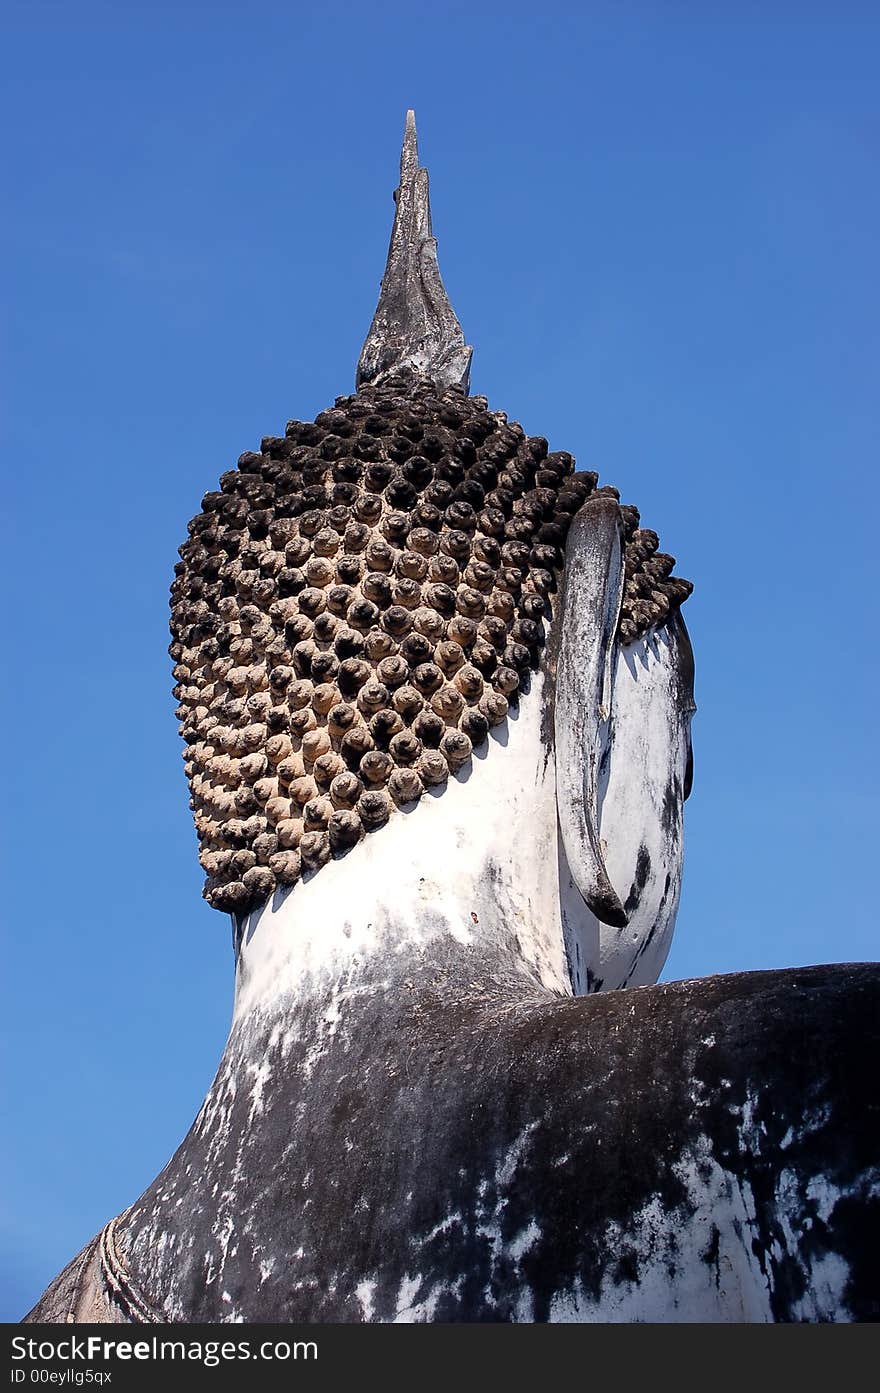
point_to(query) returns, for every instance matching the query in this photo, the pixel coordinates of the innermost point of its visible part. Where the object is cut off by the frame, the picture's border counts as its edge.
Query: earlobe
(591, 600)
(623, 753)
(641, 802)
(685, 693)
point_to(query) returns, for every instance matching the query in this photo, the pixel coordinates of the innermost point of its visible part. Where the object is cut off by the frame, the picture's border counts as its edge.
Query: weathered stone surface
(417, 1116)
(700, 1150)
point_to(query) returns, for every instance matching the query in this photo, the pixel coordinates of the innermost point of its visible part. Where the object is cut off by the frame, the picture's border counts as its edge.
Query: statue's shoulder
(96, 1288)
(718, 1123)
(78, 1295)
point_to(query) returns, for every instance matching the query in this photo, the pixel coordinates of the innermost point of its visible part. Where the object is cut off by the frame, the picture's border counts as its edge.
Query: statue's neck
(476, 866)
(426, 940)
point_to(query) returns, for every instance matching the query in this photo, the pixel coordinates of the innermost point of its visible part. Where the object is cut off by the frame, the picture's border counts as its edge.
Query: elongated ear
(592, 592)
(644, 779)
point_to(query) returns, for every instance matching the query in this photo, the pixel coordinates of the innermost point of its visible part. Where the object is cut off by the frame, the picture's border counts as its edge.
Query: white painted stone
(641, 806)
(482, 862)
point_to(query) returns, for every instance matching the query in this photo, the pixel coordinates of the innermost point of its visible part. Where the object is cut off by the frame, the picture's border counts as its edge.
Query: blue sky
(658, 223)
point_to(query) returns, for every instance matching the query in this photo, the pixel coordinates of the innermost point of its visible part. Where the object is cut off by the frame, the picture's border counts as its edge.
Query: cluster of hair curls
(356, 608)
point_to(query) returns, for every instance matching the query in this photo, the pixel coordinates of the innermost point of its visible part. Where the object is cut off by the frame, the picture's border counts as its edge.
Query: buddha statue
(435, 691)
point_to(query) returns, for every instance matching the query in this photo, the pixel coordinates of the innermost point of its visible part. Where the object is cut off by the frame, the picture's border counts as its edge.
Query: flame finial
(414, 325)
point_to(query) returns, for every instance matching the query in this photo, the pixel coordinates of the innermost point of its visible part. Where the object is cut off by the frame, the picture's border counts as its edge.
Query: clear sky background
(658, 223)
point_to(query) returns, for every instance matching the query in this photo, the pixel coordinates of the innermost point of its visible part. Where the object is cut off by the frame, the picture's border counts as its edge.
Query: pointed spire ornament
(415, 326)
